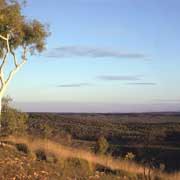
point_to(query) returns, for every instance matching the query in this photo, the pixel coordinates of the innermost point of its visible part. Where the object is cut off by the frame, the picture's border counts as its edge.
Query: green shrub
(83, 166)
(129, 156)
(102, 145)
(23, 147)
(41, 155)
(12, 120)
(46, 130)
(162, 167)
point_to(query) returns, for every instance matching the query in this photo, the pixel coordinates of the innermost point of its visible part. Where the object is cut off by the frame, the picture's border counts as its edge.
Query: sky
(103, 56)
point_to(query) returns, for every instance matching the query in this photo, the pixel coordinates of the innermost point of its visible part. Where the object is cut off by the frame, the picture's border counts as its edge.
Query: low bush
(23, 147)
(41, 155)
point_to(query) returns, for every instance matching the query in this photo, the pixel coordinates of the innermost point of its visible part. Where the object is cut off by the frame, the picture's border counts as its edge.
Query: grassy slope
(124, 132)
(17, 165)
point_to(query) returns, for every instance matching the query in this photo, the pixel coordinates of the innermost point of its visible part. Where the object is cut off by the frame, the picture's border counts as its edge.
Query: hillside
(147, 135)
(22, 159)
(89, 146)
(18, 165)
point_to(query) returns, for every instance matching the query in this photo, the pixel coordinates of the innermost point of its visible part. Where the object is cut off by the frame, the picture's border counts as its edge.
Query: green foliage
(129, 156)
(41, 155)
(23, 33)
(12, 120)
(23, 147)
(80, 166)
(62, 137)
(46, 130)
(162, 167)
(102, 145)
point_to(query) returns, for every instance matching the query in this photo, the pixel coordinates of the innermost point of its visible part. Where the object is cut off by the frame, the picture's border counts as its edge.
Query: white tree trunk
(0, 113)
(4, 82)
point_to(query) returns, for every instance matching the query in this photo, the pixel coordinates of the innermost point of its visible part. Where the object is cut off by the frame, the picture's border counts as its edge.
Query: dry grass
(67, 152)
(174, 176)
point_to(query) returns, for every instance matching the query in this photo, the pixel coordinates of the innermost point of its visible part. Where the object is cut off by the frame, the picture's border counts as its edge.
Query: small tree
(150, 137)
(102, 145)
(129, 156)
(13, 121)
(46, 130)
(16, 32)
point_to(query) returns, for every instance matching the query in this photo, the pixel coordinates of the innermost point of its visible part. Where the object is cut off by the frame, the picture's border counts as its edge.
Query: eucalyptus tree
(17, 34)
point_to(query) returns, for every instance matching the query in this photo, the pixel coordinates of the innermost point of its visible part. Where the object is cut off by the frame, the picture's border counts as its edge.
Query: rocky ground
(16, 165)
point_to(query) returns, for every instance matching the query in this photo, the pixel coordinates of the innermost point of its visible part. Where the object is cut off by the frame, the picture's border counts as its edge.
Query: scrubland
(89, 146)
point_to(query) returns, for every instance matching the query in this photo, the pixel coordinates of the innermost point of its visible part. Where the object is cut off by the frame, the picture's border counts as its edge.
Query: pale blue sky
(103, 56)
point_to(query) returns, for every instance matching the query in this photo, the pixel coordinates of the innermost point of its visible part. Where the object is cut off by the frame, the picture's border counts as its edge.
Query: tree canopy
(16, 31)
(21, 31)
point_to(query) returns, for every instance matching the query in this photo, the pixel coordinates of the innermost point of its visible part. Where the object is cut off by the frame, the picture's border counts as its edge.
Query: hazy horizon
(69, 107)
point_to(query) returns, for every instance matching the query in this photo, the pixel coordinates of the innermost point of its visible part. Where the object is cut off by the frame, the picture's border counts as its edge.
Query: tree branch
(7, 42)
(18, 66)
(2, 78)
(13, 72)
(2, 37)
(4, 59)
(14, 58)
(4, 83)
(7, 52)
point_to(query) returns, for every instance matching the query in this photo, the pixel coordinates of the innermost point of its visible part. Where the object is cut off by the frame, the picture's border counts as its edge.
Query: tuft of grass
(23, 147)
(41, 155)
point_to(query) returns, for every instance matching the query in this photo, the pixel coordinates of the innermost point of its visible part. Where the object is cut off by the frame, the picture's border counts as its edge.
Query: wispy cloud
(169, 100)
(93, 52)
(120, 78)
(76, 85)
(143, 83)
